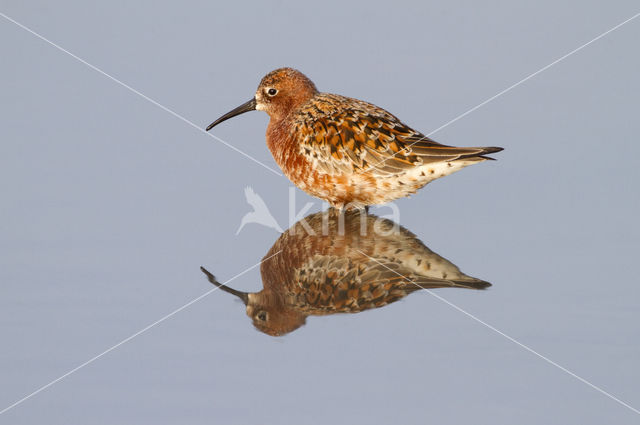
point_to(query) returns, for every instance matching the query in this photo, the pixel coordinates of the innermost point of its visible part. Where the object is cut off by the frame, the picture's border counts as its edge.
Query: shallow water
(110, 205)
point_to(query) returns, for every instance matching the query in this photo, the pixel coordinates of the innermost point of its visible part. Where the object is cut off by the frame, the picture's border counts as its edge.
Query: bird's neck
(279, 139)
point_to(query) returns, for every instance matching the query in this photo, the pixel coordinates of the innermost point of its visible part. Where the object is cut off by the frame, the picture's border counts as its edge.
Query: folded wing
(355, 136)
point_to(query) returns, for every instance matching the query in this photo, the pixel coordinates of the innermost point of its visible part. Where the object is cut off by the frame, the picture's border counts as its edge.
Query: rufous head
(268, 309)
(271, 314)
(279, 93)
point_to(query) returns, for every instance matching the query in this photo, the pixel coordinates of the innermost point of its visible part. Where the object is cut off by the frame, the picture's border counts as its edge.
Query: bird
(260, 213)
(342, 262)
(345, 151)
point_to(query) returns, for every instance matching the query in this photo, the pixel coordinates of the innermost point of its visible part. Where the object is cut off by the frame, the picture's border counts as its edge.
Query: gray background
(110, 204)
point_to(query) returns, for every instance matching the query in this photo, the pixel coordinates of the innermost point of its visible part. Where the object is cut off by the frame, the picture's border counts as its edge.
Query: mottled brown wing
(332, 284)
(347, 135)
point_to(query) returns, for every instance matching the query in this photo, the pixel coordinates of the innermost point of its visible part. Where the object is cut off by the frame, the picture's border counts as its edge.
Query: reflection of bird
(260, 213)
(350, 263)
(346, 151)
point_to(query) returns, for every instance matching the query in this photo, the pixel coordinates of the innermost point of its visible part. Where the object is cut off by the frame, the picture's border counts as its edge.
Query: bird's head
(271, 313)
(268, 309)
(278, 93)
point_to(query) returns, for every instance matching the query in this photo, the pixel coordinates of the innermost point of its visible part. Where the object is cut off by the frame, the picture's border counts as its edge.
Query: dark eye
(262, 315)
(272, 92)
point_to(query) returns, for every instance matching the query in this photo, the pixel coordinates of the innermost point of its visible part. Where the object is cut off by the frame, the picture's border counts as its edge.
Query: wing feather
(340, 134)
(328, 283)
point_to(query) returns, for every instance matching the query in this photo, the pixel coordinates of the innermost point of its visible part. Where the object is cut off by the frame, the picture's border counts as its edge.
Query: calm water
(110, 205)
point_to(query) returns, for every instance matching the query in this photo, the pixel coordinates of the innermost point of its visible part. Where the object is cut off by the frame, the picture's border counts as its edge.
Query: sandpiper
(346, 151)
(342, 262)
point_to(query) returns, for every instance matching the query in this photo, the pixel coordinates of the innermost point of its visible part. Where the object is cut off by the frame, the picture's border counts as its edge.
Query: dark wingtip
(479, 284)
(471, 283)
(488, 150)
(483, 152)
(491, 149)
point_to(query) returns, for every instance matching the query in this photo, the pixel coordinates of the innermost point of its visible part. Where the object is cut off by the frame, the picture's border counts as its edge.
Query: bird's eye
(262, 315)
(272, 92)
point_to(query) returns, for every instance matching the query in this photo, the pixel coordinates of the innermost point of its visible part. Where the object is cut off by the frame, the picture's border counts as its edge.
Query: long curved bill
(244, 296)
(245, 107)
